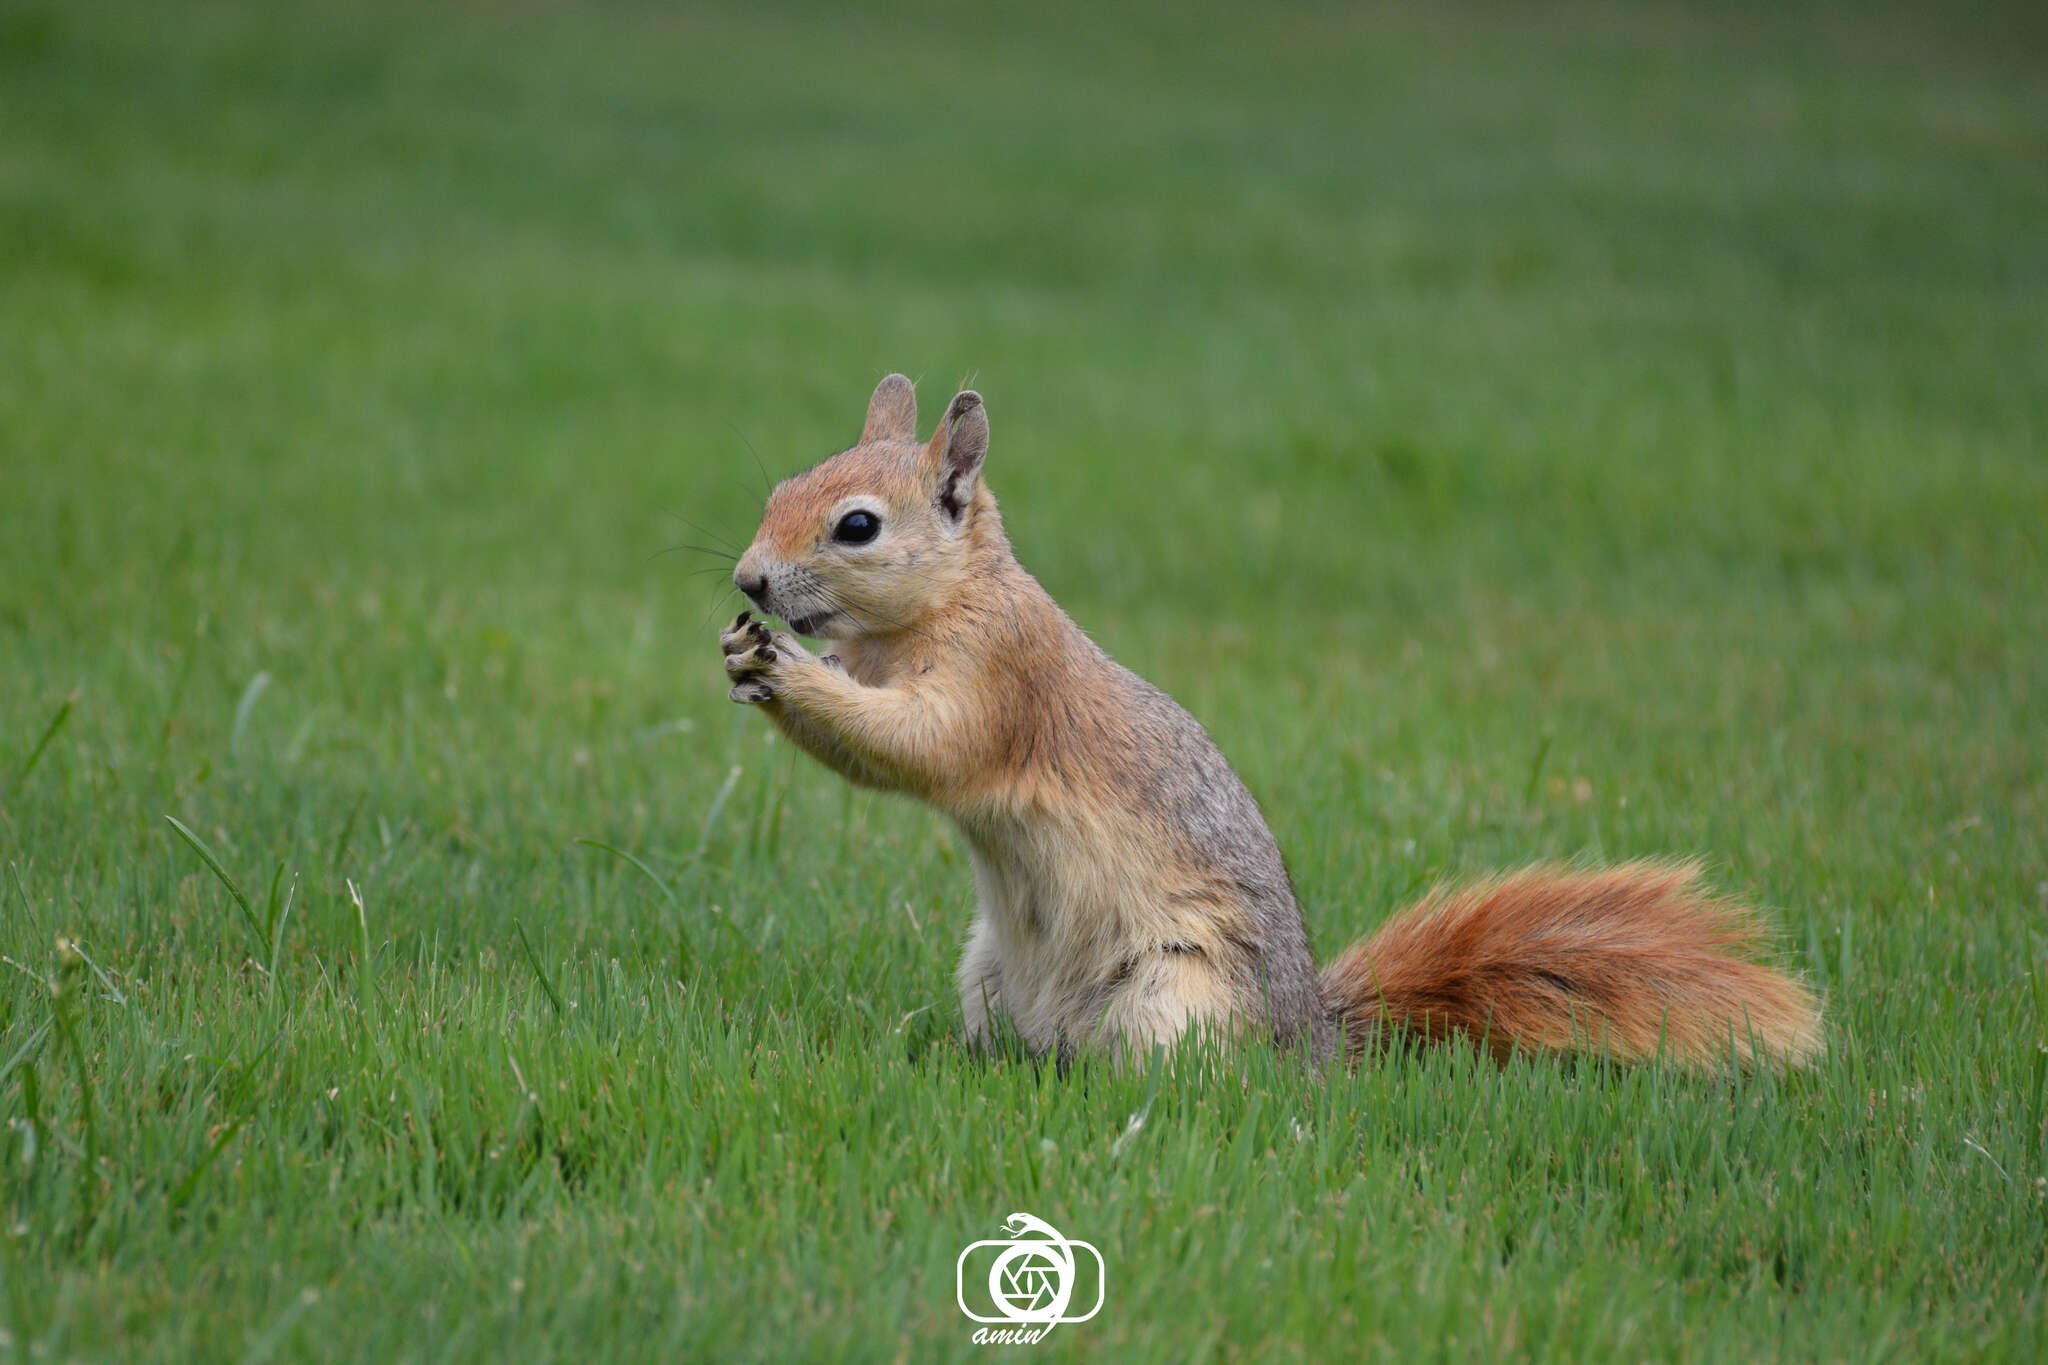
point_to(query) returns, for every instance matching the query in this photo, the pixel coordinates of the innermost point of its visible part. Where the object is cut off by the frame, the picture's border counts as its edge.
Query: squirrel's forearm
(822, 744)
(893, 736)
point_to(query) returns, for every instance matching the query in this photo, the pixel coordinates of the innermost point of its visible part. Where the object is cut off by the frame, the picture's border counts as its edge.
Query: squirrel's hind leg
(1162, 996)
(981, 982)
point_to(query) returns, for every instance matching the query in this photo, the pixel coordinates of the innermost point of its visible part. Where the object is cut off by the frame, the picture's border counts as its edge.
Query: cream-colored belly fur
(1067, 942)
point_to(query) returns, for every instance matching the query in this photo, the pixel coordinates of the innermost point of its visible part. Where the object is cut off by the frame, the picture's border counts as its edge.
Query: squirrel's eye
(857, 528)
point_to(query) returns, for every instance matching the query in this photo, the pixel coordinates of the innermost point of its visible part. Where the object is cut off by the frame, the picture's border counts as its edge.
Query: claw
(750, 692)
(741, 619)
(766, 653)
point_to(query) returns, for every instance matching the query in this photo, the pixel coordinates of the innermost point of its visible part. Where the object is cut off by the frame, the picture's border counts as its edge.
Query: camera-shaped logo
(1029, 1282)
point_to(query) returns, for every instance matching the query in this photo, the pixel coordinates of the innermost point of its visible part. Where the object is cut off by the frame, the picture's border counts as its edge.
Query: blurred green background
(1517, 431)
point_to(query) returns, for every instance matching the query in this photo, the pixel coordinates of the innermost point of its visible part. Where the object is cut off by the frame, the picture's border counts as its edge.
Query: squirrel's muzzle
(752, 582)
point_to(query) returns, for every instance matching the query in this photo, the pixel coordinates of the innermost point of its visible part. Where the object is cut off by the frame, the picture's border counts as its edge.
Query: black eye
(857, 528)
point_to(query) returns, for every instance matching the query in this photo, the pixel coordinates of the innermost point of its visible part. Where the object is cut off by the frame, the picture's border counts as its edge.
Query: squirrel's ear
(957, 450)
(892, 412)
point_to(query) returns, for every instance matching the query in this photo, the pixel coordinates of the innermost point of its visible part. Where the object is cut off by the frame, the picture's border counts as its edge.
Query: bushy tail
(1632, 961)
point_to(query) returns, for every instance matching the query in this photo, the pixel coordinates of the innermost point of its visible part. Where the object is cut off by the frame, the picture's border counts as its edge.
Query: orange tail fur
(1632, 961)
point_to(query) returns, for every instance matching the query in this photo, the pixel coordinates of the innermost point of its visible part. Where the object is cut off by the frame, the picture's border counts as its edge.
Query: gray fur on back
(1201, 795)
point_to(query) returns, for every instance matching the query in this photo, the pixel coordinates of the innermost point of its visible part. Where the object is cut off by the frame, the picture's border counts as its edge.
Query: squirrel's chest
(1077, 891)
(1020, 955)
(1015, 893)
(1073, 937)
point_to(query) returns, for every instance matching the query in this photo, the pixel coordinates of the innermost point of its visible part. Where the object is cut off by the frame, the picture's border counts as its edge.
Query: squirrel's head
(880, 535)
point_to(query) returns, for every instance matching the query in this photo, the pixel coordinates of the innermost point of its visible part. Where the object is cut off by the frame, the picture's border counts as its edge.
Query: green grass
(1518, 432)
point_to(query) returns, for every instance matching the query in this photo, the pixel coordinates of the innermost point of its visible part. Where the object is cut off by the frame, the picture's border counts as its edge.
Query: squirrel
(1129, 889)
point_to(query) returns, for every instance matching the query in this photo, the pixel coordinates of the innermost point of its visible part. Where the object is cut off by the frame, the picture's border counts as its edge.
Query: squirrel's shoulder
(1061, 704)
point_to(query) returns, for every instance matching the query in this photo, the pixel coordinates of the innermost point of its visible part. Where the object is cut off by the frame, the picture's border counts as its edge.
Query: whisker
(726, 541)
(767, 484)
(719, 602)
(727, 556)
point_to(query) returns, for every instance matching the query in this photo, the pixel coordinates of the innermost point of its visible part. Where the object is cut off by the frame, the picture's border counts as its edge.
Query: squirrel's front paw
(743, 634)
(751, 692)
(754, 655)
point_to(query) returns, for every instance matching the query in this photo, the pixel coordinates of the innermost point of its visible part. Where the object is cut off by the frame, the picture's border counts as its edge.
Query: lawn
(1518, 432)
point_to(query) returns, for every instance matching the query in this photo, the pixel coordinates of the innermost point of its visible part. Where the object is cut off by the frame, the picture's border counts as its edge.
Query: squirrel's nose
(752, 582)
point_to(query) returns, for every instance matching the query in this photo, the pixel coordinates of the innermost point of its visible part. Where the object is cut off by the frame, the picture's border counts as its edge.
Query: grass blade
(21, 1053)
(1535, 770)
(645, 870)
(686, 951)
(284, 915)
(365, 985)
(184, 1188)
(213, 865)
(35, 755)
(732, 780)
(1136, 1123)
(533, 961)
(256, 688)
